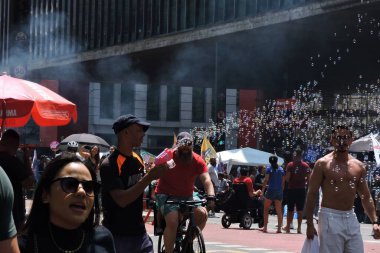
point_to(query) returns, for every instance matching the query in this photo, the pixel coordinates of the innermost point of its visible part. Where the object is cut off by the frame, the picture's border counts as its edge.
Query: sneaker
(211, 215)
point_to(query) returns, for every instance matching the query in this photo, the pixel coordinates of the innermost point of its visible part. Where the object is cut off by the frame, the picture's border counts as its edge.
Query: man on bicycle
(178, 184)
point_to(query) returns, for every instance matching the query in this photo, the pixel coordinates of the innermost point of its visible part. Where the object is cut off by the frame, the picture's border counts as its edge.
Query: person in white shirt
(213, 173)
(214, 178)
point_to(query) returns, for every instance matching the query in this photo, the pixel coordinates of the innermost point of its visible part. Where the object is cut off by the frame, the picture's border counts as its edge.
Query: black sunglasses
(70, 185)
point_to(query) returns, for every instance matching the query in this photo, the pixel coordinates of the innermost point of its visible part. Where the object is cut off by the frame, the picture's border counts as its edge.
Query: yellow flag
(174, 139)
(207, 150)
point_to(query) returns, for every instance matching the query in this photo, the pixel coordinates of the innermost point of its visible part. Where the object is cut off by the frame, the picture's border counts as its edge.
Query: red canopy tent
(21, 99)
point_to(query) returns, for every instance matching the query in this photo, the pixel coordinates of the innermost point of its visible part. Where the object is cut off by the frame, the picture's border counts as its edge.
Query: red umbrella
(21, 99)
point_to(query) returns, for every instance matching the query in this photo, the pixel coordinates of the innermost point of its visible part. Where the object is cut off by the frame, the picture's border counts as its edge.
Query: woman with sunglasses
(65, 216)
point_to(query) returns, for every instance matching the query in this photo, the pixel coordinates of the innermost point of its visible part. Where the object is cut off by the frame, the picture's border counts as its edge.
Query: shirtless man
(340, 176)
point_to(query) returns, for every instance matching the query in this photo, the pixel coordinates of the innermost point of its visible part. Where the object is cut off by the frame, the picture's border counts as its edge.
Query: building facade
(178, 63)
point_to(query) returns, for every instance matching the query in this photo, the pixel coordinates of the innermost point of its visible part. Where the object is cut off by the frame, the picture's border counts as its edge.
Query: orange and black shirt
(122, 172)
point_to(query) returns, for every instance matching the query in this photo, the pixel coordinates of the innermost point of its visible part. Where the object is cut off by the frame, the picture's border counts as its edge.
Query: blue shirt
(275, 177)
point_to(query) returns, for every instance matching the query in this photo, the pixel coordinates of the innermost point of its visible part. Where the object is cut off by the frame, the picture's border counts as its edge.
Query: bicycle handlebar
(187, 202)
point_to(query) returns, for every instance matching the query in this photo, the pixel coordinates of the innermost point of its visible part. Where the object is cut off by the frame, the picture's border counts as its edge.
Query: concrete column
(231, 107)
(94, 105)
(141, 91)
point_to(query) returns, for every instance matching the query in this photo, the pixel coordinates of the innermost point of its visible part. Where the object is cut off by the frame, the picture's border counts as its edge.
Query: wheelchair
(242, 209)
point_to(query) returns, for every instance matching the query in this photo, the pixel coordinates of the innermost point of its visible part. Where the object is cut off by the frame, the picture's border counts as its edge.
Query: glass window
(158, 143)
(153, 102)
(199, 101)
(173, 103)
(127, 99)
(106, 101)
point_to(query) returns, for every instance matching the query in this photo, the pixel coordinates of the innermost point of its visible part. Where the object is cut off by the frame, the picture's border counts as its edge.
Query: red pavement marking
(254, 238)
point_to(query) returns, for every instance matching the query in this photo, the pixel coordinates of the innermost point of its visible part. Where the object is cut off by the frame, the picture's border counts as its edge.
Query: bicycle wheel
(194, 243)
(161, 246)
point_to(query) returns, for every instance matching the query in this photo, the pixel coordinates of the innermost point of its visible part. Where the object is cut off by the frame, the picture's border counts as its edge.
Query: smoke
(189, 64)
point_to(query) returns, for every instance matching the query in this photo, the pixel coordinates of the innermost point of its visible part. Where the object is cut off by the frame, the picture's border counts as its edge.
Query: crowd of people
(68, 198)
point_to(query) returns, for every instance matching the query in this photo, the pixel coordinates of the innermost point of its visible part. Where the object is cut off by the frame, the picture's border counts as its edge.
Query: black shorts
(296, 197)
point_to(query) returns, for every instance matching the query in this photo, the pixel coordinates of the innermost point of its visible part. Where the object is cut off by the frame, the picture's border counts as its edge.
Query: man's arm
(249, 185)
(366, 197)
(125, 197)
(316, 179)
(9, 245)
(209, 188)
(266, 179)
(308, 175)
(287, 174)
(207, 183)
(367, 202)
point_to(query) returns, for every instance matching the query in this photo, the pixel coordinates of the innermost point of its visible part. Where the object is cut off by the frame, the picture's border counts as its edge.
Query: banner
(207, 150)
(376, 149)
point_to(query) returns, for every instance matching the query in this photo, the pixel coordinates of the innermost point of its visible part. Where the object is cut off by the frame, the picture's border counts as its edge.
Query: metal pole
(7, 33)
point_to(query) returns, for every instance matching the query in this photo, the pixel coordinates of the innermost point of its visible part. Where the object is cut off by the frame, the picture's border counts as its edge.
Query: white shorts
(339, 231)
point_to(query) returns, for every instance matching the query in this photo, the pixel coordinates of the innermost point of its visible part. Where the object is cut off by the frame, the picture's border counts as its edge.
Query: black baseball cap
(125, 121)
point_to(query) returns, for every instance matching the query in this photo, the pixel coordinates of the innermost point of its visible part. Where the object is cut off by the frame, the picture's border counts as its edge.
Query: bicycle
(189, 237)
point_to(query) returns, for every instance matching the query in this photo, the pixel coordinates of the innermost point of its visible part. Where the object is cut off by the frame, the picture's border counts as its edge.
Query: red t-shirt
(179, 181)
(246, 180)
(298, 174)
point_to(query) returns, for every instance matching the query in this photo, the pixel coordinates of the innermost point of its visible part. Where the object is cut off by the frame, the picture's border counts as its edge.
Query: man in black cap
(178, 184)
(123, 183)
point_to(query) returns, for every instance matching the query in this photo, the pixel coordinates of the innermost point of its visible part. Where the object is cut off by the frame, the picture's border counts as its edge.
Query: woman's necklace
(63, 250)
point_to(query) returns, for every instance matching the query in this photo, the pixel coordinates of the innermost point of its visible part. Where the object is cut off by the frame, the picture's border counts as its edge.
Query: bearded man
(178, 184)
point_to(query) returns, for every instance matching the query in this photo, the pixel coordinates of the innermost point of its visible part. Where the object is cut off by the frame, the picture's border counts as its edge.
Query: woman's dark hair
(97, 155)
(39, 214)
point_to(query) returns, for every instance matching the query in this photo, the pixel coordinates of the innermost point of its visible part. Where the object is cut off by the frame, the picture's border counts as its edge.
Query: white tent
(246, 157)
(363, 144)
